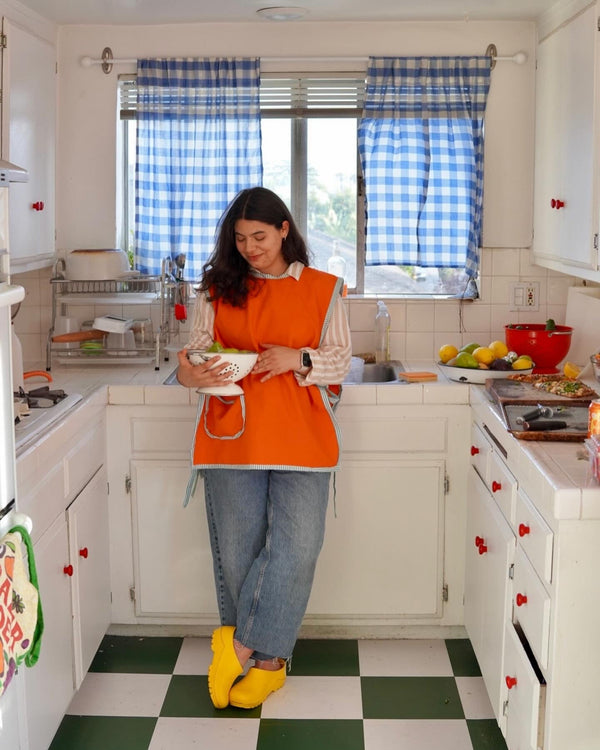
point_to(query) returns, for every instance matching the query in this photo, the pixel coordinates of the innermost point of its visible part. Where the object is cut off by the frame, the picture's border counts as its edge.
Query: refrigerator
(12, 716)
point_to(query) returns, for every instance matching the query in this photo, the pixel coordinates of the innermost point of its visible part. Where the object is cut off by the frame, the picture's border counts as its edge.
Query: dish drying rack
(131, 290)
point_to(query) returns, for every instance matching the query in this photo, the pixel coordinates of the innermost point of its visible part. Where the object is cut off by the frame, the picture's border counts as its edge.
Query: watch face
(306, 360)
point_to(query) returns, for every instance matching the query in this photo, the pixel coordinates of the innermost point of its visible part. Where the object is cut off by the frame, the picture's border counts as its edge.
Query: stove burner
(42, 393)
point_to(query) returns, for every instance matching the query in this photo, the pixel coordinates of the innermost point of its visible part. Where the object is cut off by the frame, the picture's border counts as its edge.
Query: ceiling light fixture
(292, 13)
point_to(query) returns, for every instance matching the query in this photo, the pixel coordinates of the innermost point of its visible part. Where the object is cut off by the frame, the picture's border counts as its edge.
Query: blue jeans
(266, 529)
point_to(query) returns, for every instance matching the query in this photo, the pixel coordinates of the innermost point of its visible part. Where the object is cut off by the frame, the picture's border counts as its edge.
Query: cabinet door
(490, 554)
(172, 559)
(383, 549)
(49, 684)
(29, 115)
(88, 542)
(565, 163)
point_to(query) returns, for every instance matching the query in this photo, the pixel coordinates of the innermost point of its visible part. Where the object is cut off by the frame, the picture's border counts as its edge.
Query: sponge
(417, 377)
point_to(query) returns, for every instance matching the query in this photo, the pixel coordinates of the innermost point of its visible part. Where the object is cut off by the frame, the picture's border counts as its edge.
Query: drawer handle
(496, 486)
(482, 548)
(83, 553)
(510, 682)
(474, 450)
(479, 540)
(521, 599)
(524, 529)
(68, 570)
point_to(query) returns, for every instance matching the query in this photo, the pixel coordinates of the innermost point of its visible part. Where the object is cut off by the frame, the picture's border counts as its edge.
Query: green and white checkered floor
(151, 694)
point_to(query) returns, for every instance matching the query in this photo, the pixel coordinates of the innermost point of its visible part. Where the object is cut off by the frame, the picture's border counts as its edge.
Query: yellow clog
(225, 666)
(256, 686)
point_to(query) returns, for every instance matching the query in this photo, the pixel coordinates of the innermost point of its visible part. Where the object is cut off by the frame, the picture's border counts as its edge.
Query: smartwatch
(306, 360)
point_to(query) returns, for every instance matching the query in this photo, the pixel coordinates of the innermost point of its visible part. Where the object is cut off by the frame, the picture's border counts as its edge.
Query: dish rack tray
(153, 290)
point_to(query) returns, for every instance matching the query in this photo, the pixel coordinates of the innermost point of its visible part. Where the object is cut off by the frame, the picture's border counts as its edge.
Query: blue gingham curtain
(198, 145)
(421, 149)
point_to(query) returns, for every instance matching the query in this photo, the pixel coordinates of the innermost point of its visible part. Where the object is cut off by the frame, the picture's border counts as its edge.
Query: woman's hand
(203, 375)
(275, 360)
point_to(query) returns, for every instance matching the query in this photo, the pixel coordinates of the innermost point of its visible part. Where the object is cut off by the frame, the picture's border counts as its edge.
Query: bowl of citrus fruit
(474, 363)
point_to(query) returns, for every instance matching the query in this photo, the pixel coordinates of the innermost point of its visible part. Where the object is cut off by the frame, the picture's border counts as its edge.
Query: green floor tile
(104, 733)
(187, 696)
(462, 657)
(325, 658)
(485, 734)
(410, 698)
(318, 734)
(136, 655)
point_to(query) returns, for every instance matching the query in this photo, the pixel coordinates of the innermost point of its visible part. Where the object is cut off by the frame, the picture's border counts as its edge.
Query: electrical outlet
(524, 295)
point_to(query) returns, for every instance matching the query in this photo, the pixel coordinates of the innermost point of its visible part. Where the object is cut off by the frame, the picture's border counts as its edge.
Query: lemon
(447, 352)
(499, 349)
(571, 370)
(484, 355)
(522, 363)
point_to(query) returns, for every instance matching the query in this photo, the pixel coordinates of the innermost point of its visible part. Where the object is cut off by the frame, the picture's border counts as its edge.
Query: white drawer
(535, 536)
(480, 452)
(531, 607)
(503, 486)
(524, 695)
(83, 460)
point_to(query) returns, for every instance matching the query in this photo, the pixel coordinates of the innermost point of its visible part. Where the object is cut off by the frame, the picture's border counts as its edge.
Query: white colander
(238, 366)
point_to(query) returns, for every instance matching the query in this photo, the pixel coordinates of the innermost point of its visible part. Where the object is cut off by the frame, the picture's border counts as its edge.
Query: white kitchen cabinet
(566, 148)
(400, 491)
(29, 140)
(87, 519)
(61, 485)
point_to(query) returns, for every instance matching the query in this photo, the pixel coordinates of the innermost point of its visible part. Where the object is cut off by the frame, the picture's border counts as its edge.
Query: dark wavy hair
(226, 273)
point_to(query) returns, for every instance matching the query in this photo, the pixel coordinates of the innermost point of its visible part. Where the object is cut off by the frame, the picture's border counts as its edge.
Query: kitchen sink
(373, 373)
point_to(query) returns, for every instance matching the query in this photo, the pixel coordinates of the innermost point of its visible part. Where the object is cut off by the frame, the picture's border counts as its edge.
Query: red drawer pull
(38, 206)
(556, 203)
(68, 570)
(524, 529)
(474, 450)
(521, 599)
(510, 682)
(482, 549)
(496, 486)
(83, 552)
(479, 540)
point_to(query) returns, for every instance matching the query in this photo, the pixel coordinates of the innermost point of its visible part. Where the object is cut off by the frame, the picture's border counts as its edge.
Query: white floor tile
(184, 734)
(410, 734)
(315, 698)
(112, 694)
(474, 698)
(404, 658)
(194, 657)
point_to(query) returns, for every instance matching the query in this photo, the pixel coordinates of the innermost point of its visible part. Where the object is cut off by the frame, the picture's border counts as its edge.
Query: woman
(267, 456)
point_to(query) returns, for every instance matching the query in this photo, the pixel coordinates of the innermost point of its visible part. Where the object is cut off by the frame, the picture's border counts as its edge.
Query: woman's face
(260, 245)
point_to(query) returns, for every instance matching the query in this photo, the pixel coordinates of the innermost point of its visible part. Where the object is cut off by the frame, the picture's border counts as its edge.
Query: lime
(469, 348)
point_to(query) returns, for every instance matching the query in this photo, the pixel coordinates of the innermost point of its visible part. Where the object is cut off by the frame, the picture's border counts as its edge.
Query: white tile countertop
(558, 472)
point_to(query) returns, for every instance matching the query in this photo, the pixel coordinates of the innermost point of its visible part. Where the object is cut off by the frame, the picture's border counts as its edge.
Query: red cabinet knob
(482, 549)
(68, 570)
(521, 599)
(479, 540)
(510, 682)
(524, 529)
(83, 552)
(496, 486)
(38, 206)
(474, 450)
(556, 203)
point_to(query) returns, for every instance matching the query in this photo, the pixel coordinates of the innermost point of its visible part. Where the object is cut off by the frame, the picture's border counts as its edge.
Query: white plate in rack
(472, 375)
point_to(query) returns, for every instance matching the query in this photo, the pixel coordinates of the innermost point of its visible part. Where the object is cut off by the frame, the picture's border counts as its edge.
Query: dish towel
(21, 619)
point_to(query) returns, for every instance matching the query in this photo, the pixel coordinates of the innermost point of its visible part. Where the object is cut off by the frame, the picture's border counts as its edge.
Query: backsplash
(418, 328)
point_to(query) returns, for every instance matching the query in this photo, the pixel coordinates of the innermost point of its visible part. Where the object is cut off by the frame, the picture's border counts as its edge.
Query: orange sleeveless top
(283, 425)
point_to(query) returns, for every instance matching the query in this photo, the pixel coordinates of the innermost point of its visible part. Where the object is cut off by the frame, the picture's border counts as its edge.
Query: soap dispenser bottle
(382, 333)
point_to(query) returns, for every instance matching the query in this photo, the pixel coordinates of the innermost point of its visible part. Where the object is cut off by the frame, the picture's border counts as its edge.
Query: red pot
(546, 348)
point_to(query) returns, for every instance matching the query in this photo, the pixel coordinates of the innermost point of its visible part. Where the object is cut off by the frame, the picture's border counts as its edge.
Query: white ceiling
(187, 11)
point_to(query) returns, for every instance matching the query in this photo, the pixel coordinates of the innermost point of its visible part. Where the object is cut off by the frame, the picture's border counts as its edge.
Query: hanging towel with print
(21, 620)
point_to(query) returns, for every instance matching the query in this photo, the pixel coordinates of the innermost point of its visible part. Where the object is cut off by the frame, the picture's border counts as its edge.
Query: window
(310, 158)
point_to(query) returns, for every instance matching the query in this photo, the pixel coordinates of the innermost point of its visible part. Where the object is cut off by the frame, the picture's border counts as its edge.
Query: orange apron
(277, 424)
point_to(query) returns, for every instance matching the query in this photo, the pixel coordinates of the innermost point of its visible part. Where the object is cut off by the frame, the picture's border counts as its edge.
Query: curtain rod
(107, 60)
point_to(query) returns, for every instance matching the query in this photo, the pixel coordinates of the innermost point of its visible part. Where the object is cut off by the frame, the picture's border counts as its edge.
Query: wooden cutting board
(514, 397)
